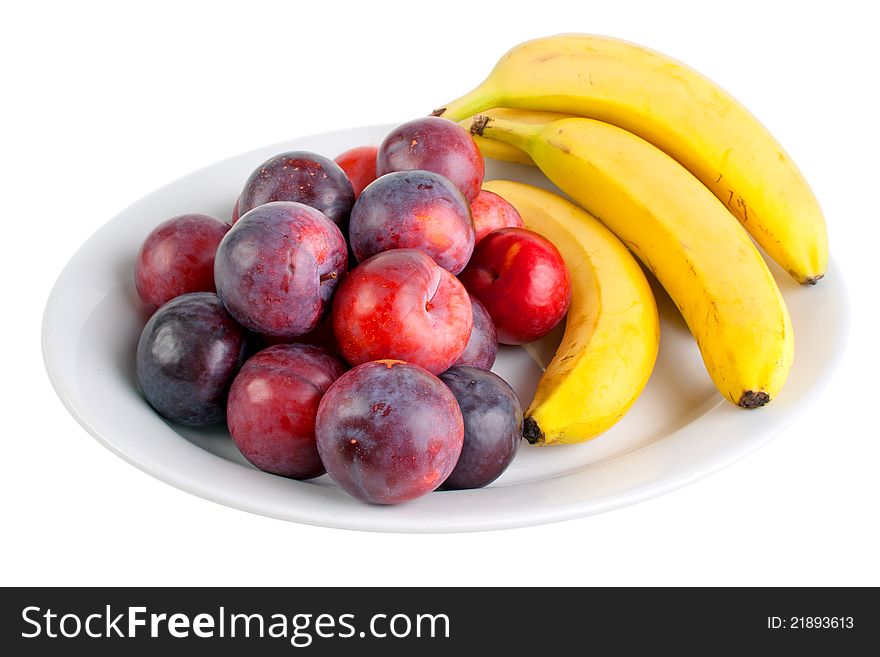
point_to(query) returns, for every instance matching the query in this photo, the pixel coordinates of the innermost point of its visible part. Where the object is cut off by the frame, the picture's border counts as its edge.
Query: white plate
(678, 431)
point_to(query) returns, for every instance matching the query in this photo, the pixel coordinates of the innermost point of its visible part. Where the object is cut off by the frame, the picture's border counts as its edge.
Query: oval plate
(679, 430)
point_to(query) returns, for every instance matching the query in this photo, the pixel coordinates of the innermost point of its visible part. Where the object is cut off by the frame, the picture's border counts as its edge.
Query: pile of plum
(366, 357)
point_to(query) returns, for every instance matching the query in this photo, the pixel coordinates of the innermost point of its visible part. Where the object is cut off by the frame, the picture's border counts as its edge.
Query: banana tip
(438, 112)
(813, 280)
(751, 399)
(532, 432)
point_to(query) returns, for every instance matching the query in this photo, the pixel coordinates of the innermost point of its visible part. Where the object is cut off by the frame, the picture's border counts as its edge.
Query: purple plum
(187, 356)
(413, 210)
(493, 422)
(389, 431)
(304, 177)
(278, 268)
(482, 345)
(434, 144)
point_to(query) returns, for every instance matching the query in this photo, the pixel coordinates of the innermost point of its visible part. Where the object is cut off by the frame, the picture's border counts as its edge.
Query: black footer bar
(435, 621)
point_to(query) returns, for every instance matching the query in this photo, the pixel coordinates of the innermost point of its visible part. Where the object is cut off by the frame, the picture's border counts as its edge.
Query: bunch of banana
(684, 236)
(679, 172)
(611, 333)
(679, 111)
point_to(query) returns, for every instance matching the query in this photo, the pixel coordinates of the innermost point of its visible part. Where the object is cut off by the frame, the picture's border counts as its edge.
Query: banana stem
(510, 132)
(471, 103)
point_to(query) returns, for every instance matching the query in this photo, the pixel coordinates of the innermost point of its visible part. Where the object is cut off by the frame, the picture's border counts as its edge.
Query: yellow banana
(683, 234)
(498, 150)
(682, 113)
(611, 332)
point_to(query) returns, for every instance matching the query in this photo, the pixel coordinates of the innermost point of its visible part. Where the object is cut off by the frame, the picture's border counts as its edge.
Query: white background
(104, 102)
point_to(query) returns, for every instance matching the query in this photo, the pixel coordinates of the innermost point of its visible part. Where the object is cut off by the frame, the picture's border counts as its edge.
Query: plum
(400, 304)
(187, 356)
(493, 423)
(389, 431)
(278, 268)
(521, 279)
(491, 212)
(482, 345)
(272, 406)
(177, 257)
(304, 177)
(434, 144)
(417, 210)
(359, 164)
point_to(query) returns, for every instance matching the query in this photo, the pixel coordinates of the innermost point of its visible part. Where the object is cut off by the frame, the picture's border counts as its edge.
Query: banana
(682, 113)
(498, 150)
(612, 330)
(683, 235)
